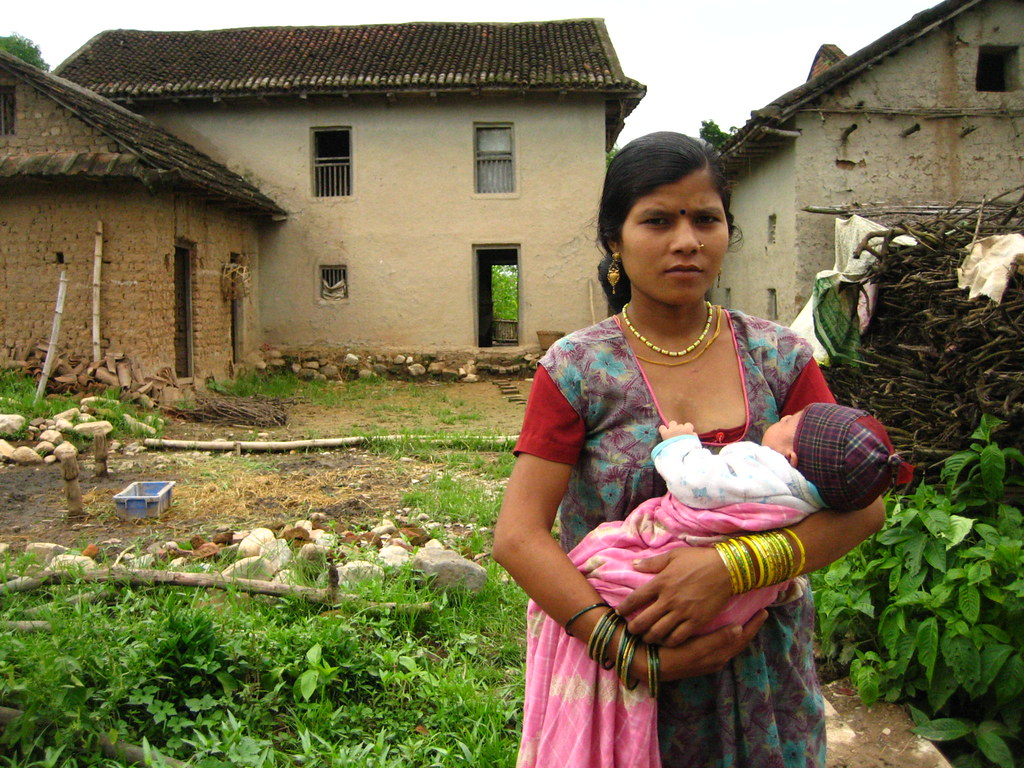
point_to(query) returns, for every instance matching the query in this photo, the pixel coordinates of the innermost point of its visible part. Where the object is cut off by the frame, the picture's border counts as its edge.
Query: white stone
(52, 436)
(4, 547)
(178, 562)
(434, 544)
(255, 567)
(313, 551)
(11, 423)
(66, 416)
(394, 555)
(85, 418)
(358, 570)
(351, 359)
(51, 459)
(255, 542)
(93, 428)
(449, 570)
(6, 449)
(416, 370)
(44, 551)
(68, 560)
(386, 528)
(44, 447)
(288, 577)
(65, 449)
(307, 524)
(25, 456)
(278, 553)
(471, 378)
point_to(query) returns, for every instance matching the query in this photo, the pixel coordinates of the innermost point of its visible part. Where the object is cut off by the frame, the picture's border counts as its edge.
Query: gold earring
(700, 246)
(614, 272)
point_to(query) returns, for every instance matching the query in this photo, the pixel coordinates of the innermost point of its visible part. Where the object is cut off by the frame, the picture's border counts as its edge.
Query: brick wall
(42, 125)
(44, 231)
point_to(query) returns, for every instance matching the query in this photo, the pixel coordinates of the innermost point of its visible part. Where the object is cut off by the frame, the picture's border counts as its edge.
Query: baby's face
(781, 435)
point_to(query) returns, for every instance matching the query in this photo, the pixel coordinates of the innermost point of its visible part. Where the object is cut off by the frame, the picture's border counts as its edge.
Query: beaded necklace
(669, 353)
(696, 356)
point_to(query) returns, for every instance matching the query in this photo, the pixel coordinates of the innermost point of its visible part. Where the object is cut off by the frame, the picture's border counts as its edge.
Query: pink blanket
(578, 715)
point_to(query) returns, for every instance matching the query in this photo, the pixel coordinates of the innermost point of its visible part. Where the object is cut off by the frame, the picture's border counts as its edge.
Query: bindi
(682, 211)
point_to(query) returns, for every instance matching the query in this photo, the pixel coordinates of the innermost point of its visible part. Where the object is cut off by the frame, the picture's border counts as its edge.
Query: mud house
(173, 224)
(412, 159)
(931, 113)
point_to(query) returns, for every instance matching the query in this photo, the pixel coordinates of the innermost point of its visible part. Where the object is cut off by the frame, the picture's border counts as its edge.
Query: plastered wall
(923, 134)
(407, 233)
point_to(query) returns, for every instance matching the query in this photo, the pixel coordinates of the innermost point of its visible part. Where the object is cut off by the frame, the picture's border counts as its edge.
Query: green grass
(231, 680)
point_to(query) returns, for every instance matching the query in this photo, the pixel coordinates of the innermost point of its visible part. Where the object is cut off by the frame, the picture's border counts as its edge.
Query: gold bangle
(653, 669)
(799, 567)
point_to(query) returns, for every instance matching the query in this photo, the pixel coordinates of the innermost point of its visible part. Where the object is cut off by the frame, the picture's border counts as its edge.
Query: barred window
(332, 162)
(495, 168)
(6, 110)
(334, 281)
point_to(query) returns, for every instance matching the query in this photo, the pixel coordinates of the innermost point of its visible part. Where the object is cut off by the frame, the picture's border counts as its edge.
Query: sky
(715, 59)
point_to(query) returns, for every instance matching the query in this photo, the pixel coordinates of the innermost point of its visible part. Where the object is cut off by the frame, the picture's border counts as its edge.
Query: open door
(497, 271)
(183, 312)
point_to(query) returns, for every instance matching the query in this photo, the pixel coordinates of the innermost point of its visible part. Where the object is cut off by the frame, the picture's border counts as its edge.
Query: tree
(713, 135)
(24, 49)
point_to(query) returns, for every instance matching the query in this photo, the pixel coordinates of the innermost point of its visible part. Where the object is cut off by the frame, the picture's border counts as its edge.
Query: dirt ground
(357, 488)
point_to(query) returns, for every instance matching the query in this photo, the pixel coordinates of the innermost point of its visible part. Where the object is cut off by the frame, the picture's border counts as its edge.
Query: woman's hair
(638, 169)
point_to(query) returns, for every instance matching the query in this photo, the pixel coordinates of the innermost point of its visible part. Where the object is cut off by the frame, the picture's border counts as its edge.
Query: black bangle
(580, 613)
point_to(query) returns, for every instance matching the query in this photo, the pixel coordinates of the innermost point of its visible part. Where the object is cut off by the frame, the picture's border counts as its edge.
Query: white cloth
(988, 266)
(740, 472)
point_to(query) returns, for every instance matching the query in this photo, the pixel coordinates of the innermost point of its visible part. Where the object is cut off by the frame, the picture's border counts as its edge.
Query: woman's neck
(668, 323)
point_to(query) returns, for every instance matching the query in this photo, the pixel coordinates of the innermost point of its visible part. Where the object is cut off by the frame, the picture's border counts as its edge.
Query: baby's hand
(674, 429)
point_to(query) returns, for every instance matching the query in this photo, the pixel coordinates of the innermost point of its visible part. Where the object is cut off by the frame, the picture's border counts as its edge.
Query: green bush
(931, 611)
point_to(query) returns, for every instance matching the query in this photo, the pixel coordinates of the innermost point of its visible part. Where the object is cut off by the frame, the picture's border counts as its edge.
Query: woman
(741, 696)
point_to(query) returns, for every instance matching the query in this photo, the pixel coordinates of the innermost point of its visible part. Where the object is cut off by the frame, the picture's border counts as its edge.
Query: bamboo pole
(72, 488)
(51, 350)
(97, 268)
(100, 451)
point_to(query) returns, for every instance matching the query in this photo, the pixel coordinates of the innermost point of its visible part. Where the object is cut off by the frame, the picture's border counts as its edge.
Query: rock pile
(335, 365)
(48, 438)
(298, 554)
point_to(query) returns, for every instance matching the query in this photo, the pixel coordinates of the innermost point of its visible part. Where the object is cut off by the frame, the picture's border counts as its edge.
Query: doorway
(183, 311)
(497, 272)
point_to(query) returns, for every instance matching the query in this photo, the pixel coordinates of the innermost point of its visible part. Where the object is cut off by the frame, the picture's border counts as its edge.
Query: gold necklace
(669, 353)
(693, 358)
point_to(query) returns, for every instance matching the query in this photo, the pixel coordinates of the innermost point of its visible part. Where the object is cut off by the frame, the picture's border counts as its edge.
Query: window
(773, 304)
(773, 221)
(332, 162)
(494, 169)
(334, 282)
(6, 110)
(997, 67)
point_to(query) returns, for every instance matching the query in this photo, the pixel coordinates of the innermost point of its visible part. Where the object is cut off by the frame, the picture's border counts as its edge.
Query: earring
(614, 272)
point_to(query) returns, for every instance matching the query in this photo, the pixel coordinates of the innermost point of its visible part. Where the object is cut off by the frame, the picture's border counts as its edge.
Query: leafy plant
(931, 611)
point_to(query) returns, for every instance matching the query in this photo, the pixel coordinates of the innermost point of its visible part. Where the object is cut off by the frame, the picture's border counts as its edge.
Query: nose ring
(701, 246)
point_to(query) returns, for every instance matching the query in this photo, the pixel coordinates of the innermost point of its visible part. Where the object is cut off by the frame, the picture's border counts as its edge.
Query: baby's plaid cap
(847, 454)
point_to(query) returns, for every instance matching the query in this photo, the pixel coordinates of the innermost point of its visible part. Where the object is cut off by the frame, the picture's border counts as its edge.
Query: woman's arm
(693, 584)
(524, 546)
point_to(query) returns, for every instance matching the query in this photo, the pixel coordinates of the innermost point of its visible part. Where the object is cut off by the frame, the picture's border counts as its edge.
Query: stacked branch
(934, 360)
(251, 411)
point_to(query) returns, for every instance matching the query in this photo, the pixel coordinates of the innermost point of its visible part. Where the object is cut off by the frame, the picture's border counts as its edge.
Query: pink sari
(578, 715)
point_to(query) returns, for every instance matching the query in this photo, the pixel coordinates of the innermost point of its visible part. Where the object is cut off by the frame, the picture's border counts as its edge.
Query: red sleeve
(810, 387)
(552, 429)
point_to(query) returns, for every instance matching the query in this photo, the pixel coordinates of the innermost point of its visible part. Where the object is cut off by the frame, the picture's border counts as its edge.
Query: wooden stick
(144, 577)
(26, 626)
(129, 753)
(97, 268)
(100, 451)
(51, 350)
(72, 488)
(324, 442)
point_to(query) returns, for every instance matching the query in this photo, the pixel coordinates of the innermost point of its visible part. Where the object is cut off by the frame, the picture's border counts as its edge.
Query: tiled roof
(147, 152)
(763, 135)
(827, 55)
(573, 55)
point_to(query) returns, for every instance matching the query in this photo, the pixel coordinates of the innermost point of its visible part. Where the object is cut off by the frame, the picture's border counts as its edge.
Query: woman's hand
(690, 588)
(708, 653)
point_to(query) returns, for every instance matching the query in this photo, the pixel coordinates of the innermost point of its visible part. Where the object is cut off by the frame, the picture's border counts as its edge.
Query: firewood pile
(933, 360)
(72, 375)
(249, 411)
